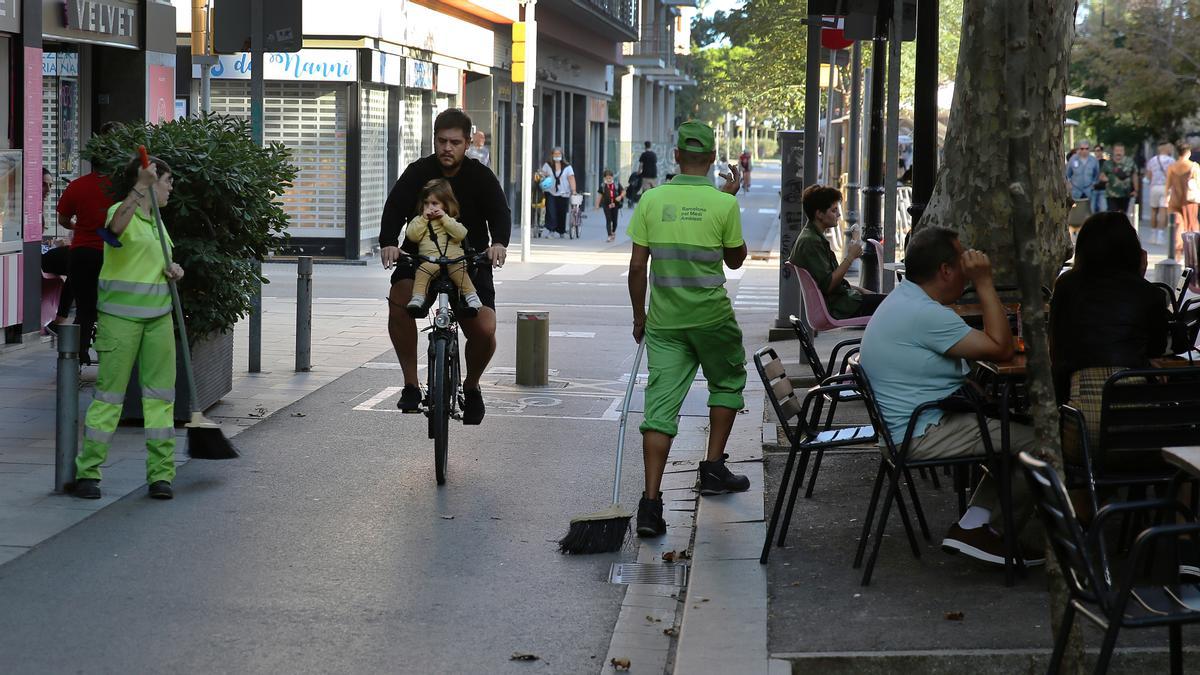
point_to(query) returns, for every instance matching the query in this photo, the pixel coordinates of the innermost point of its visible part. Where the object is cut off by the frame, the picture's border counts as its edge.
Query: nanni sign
(100, 17)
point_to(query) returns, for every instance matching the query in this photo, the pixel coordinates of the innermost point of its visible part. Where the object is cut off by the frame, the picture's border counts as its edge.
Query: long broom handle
(637, 362)
(186, 349)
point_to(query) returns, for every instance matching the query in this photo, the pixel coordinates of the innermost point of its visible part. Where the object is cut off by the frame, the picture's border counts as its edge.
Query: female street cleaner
(134, 326)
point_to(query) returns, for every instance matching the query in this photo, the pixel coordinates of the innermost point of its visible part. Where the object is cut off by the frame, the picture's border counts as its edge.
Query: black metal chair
(894, 461)
(1140, 409)
(804, 436)
(1092, 594)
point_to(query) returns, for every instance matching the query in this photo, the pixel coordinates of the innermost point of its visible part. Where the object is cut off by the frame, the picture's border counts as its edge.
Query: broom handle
(637, 362)
(186, 349)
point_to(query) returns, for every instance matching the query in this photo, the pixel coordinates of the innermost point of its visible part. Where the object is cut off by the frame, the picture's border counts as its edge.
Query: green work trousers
(674, 355)
(120, 343)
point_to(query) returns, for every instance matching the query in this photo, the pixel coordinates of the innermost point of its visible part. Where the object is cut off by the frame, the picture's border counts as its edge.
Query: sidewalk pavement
(346, 334)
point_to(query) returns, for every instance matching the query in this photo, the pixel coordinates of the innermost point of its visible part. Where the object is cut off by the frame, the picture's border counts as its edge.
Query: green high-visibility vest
(133, 283)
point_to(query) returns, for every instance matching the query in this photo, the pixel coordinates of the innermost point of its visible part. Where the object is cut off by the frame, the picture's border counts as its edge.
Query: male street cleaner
(682, 231)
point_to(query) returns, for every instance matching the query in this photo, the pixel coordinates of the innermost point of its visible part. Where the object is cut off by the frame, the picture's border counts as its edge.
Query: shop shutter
(410, 135)
(310, 119)
(374, 117)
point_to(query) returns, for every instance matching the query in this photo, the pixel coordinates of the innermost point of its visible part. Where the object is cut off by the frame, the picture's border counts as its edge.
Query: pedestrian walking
(682, 232)
(1183, 194)
(83, 208)
(485, 213)
(134, 326)
(1099, 194)
(1120, 178)
(1082, 173)
(744, 161)
(478, 150)
(1156, 169)
(609, 198)
(558, 196)
(648, 168)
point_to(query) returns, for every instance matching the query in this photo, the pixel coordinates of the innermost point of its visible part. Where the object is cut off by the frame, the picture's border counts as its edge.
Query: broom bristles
(601, 532)
(209, 443)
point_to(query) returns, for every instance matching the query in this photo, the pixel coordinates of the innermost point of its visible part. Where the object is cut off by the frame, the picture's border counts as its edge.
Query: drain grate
(648, 573)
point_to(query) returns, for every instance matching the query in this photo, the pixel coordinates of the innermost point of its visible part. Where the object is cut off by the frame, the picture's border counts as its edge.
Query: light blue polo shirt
(903, 354)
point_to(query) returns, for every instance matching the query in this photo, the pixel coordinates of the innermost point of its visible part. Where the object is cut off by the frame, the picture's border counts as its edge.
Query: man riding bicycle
(485, 213)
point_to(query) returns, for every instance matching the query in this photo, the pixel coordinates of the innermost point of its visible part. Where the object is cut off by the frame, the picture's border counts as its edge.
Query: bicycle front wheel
(439, 407)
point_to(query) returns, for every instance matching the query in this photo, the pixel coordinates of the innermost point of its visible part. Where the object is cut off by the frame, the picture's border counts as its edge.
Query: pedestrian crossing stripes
(768, 212)
(572, 270)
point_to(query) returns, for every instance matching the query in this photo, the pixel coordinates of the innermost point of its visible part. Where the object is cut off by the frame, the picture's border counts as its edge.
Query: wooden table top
(1014, 366)
(976, 309)
(1186, 458)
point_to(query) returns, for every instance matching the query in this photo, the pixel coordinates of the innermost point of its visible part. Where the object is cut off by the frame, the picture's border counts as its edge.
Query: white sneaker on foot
(473, 301)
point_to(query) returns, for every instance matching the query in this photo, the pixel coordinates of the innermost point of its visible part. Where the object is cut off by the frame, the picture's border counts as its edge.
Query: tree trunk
(1003, 188)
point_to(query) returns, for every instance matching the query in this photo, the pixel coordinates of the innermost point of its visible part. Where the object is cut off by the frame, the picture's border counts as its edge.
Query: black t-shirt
(649, 162)
(482, 206)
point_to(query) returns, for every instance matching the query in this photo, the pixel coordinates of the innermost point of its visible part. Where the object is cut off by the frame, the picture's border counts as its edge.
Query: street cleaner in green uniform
(682, 232)
(134, 326)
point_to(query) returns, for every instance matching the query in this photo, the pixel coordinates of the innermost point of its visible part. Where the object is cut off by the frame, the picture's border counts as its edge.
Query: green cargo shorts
(673, 356)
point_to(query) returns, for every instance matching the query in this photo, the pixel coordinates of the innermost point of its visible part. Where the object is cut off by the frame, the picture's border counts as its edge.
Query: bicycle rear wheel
(439, 408)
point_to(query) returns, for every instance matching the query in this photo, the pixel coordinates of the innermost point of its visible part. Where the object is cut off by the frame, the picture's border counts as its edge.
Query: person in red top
(83, 208)
(609, 198)
(744, 160)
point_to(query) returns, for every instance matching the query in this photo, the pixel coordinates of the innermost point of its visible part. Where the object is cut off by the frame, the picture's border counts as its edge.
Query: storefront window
(11, 215)
(60, 123)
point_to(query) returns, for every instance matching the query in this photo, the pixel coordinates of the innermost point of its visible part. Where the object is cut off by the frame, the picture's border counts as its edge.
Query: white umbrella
(945, 98)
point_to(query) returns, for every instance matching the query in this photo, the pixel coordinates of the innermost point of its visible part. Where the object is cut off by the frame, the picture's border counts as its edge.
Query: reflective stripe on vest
(684, 266)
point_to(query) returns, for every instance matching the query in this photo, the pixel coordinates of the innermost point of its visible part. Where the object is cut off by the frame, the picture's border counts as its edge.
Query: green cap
(696, 137)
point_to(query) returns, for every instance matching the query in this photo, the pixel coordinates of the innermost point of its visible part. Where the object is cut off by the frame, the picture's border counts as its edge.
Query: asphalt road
(328, 546)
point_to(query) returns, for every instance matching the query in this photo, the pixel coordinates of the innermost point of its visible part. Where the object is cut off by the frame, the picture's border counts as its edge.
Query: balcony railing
(624, 12)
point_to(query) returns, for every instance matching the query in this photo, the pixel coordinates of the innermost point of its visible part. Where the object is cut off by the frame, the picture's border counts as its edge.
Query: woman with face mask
(558, 197)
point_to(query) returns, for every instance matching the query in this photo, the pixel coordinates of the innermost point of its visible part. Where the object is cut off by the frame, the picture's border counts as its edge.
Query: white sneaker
(473, 300)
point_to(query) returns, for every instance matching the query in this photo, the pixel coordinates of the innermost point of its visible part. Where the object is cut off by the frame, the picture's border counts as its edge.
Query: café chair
(894, 462)
(1127, 602)
(804, 434)
(815, 312)
(1191, 259)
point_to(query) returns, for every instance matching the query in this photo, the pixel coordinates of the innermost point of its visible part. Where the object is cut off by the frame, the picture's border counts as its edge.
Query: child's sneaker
(473, 304)
(416, 308)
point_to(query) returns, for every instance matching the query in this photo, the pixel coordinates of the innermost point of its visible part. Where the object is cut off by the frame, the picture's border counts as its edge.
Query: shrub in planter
(224, 213)
(224, 210)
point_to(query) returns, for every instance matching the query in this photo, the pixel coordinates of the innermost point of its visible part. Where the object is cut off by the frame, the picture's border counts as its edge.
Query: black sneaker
(161, 489)
(410, 398)
(717, 479)
(984, 544)
(87, 488)
(472, 406)
(650, 521)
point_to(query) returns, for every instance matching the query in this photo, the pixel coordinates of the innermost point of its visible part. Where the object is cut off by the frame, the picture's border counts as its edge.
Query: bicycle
(576, 215)
(443, 397)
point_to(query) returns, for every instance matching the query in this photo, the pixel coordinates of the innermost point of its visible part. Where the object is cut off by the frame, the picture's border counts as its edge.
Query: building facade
(66, 68)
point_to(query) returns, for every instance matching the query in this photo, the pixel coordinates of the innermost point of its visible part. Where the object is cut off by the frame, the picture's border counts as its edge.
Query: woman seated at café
(1104, 317)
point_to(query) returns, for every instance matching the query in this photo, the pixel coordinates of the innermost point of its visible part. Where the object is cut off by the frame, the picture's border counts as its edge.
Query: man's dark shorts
(481, 276)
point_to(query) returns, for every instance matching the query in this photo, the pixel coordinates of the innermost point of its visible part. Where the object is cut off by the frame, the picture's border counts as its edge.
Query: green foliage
(1144, 60)
(224, 210)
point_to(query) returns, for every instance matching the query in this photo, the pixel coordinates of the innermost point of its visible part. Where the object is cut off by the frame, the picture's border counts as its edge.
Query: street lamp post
(527, 88)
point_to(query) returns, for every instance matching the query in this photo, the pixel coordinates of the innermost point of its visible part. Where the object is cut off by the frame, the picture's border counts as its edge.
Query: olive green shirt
(812, 252)
(1120, 177)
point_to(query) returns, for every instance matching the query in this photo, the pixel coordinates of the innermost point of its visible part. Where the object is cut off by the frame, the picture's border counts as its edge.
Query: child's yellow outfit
(449, 236)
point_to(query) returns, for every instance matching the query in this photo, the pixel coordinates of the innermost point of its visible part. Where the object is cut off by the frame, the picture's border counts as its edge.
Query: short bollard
(66, 437)
(304, 267)
(1169, 270)
(533, 349)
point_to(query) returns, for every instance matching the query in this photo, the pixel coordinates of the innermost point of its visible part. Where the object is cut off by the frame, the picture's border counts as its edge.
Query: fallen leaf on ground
(668, 556)
(518, 656)
(703, 599)
(299, 415)
(496, 518)
(447, 517)
(651, 619)
(620, 664)
(795, 583)
(670, 632)
(684, 555)
(954, 616)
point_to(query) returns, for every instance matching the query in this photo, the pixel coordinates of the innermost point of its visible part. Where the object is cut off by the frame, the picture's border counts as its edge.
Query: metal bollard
(1169, 270)
(533, 349)
(304, 268)
(66, 437)
(255, 356)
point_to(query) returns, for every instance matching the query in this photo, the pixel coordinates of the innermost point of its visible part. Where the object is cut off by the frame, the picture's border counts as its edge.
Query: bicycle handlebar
(472, 257)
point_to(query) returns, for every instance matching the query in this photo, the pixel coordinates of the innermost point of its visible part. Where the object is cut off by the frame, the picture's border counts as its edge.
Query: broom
(605, 531)
(204, 437)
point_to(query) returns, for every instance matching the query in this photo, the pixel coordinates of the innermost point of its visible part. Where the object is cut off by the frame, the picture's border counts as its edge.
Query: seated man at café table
(822, 206)
(915, 350)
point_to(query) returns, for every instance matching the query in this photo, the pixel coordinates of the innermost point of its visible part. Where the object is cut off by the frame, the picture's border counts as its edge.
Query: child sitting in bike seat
(438, 234)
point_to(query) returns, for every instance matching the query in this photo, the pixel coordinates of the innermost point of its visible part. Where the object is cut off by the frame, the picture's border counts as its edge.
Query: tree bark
(1002, 188)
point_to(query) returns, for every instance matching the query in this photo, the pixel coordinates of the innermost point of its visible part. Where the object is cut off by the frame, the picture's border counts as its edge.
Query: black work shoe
(717, 479)
(650, 521)
(410, 398)
(472, 406)
(87, 488)
(161, 489)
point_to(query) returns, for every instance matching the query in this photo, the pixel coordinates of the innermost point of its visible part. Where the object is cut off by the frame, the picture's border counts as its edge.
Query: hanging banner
(306, 65)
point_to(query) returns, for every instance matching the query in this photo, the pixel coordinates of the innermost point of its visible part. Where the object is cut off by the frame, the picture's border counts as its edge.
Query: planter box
(212, 361)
